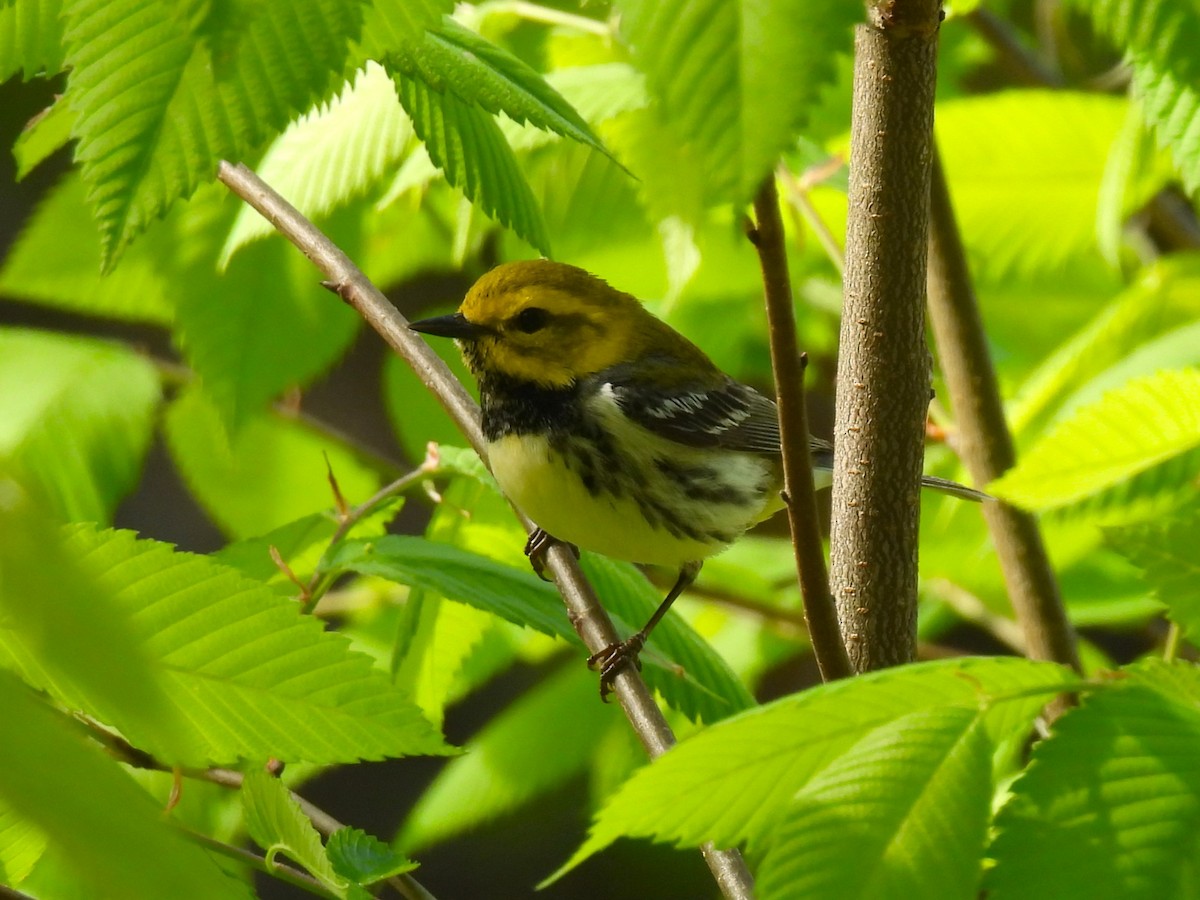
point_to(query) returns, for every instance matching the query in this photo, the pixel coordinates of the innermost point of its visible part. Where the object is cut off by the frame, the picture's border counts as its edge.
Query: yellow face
(549, 323)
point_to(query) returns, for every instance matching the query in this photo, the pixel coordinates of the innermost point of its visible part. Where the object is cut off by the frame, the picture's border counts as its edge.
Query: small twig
(973, 610)
(800, 495)
(590, 620)
(318, 585)
(797, 195)
(282, 871)
(1021, 62)
(536, 13)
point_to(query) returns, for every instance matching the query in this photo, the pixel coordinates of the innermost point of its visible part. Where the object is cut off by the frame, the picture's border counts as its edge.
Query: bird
(615, 433)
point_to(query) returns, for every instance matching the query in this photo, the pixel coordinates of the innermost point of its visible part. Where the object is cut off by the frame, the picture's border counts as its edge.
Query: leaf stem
(282, 871)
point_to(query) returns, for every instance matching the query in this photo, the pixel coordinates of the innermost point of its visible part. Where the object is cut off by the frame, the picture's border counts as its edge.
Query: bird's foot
(536, 547)
(612, 658)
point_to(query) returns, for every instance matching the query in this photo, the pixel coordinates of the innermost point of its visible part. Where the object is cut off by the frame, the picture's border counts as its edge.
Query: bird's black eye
(531, 319)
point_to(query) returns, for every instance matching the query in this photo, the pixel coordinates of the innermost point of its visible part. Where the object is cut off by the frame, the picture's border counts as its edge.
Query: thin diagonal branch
(593, 625)
(984, 442)
(799, 493)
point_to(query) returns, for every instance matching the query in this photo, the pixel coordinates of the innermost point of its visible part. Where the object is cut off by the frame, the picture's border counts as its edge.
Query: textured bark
(883, 368)
(984, 441)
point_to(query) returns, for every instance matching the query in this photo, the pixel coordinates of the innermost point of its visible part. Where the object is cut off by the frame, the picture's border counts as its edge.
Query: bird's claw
(612, 658)
(540, 541)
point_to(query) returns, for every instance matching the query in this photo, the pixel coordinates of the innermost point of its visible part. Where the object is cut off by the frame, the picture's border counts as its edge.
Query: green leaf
(61, 629)
(1109, 806)
(111, 832)
(272, 472)
(736, 781)
(389, 25)
(547, 736)
(1159, 38)
(467, 145)
(702, 685)
(1165, 296)
(31, 38)
(48, 132)
(1024, 207)
(1167, 553)
(21, 846)
(278, 825)
(364, 859)
(693, 679)
(735, 80)
(335, 153)
(159, 104)
(244, 672)
(261, 327)
(453, 58)
(519, 597)
(1131, 429)
(909, 805)
(60, 230)
(76, 416)
(299, 543)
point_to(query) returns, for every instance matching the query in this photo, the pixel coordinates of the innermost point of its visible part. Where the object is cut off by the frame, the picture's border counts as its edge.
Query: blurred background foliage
(169, 365)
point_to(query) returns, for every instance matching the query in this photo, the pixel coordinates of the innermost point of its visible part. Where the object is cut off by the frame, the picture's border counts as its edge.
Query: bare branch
(798, 490)
(984, 442)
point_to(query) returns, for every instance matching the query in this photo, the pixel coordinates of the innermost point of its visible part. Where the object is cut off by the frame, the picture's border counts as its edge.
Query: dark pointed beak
(451, 326)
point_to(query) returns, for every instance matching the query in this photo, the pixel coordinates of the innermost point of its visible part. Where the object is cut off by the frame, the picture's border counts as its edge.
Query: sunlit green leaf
(158, 104)
(333, 154)
(260, 327)
(273, 471)
(453, 58)
(75, 419)
(1022, 205)
(1109, 806)
(909, 804)
(1142, 424)
(736, 780)
(278, 825)
(60, 230)
(31, 38)
(245, 674)
(735, 80)
(21, 845)
(73, 793)
(1167, 553)
(466, 144)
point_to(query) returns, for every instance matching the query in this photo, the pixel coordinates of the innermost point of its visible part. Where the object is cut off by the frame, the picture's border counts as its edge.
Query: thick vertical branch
(984, 441)
(800, 494)
(883, 368)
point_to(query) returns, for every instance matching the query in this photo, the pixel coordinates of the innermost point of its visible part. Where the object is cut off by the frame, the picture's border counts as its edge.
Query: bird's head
(544, 322)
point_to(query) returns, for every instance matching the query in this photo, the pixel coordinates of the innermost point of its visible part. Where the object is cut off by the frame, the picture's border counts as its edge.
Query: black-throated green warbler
(614, 432)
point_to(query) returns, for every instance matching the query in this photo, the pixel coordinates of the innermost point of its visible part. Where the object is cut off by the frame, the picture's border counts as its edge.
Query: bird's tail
(953, 488)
